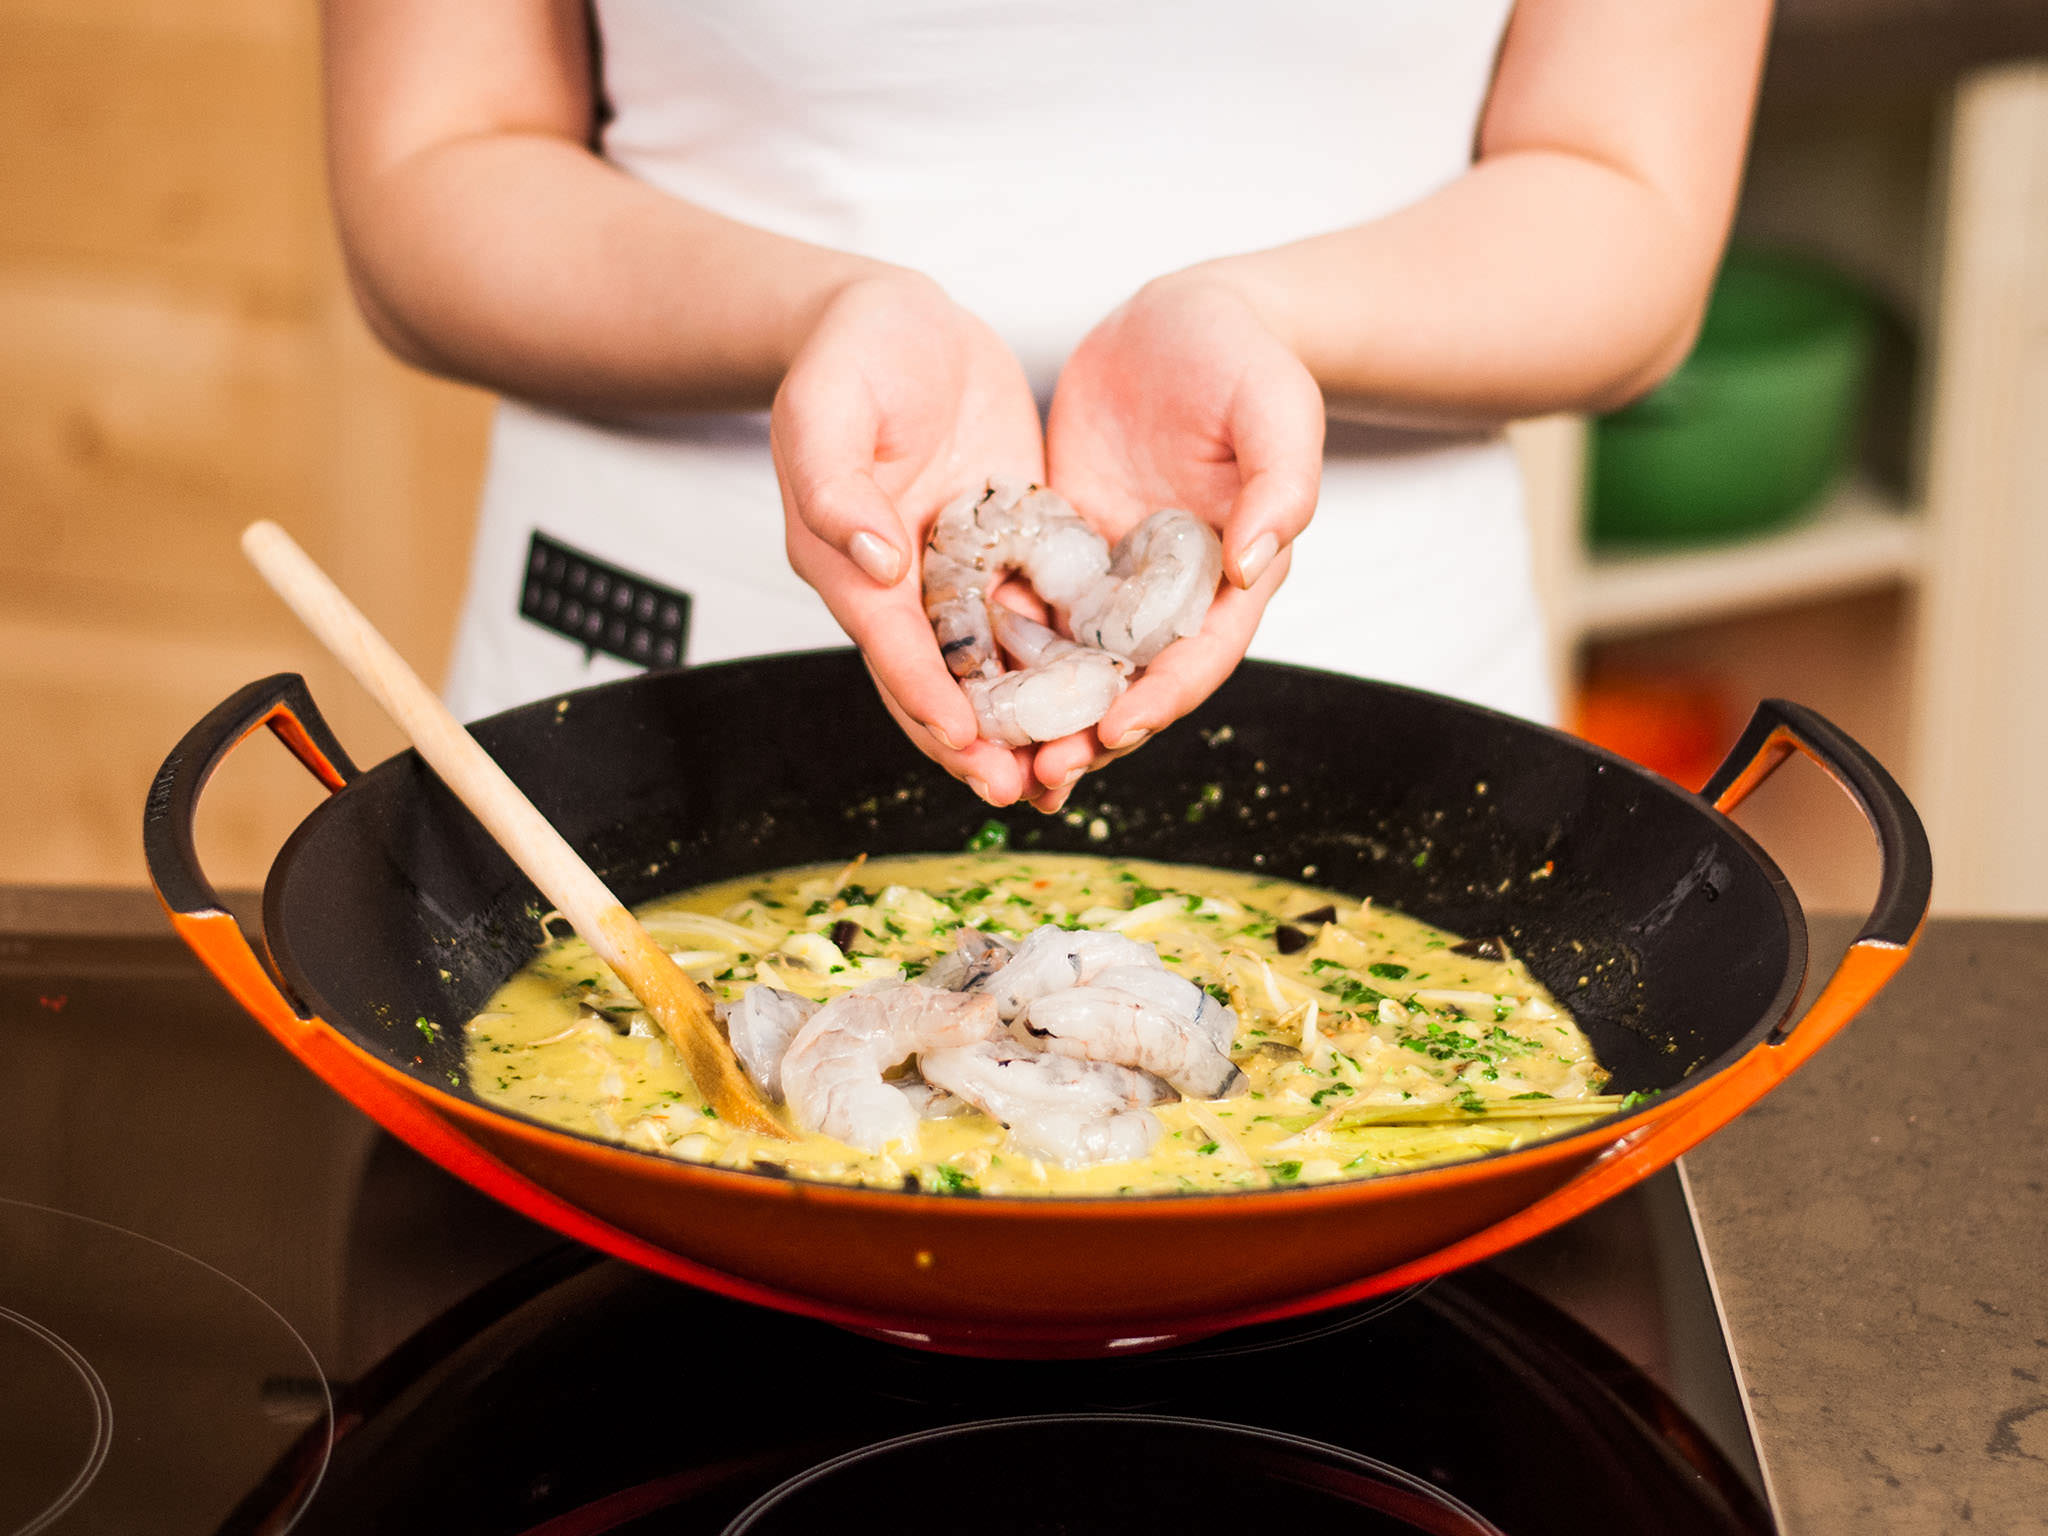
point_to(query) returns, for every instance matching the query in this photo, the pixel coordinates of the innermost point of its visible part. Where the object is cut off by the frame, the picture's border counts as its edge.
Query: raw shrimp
(832, 1072)
(1051, 958)
(1059, 687)
(1105, 1024)
(1009, 526)
(930, 1102)
(974, 958)
(1175, 995)
(1162, 578)
(956, 601)
(761, 1023)
(1122, 607)
(1062, 1110)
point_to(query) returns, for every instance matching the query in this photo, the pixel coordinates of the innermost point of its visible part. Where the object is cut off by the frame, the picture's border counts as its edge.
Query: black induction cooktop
(228, 1304)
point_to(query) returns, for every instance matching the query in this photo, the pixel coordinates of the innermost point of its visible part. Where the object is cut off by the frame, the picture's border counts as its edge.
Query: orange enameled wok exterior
(1033, 1276)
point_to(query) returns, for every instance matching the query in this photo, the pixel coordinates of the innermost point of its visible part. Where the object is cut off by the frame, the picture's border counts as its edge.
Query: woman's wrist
(1248, 280)
(838, 279)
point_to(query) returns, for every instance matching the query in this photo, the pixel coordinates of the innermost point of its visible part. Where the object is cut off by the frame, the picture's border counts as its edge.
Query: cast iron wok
(1668, 932)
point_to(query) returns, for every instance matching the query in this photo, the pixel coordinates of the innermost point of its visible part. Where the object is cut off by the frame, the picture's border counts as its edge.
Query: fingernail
(944, 737)
(1128, 740)
(1053, 801)
(980, 789)
(875, 556)
(1252, 562)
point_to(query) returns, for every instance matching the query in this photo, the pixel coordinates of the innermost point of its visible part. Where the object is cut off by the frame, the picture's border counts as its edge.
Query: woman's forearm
(1536, 283)
(524, 263)
(486, 240)
(1568, 269)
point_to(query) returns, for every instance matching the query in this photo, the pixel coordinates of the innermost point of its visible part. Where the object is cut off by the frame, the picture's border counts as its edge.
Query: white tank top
(1041, 161)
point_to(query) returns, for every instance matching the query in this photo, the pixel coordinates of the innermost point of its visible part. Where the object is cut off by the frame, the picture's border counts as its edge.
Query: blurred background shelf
(1861, 538)
(1907, 607)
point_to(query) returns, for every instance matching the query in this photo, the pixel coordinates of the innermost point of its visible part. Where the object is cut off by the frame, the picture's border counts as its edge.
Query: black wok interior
(1667, 932)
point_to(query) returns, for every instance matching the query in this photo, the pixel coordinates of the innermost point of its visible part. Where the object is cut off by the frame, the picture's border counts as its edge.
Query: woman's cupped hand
(900, 400)
(1184, 397)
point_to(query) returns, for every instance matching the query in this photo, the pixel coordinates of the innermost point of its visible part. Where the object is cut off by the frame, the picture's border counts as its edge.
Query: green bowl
(1755, 425)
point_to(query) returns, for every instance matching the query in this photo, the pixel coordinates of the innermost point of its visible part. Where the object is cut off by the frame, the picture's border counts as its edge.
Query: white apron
(1041, 161)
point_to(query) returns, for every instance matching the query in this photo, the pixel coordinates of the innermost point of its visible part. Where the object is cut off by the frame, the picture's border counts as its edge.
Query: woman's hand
(898, 401)
(1184, 397)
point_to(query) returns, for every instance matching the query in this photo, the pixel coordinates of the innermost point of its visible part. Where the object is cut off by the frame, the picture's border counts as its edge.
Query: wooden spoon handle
(535, 846)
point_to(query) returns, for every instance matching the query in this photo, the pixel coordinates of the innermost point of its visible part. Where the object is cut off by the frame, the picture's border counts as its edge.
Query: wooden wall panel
(293, 21)
(93, 709)
(187, 155)
(139, 431)
(179, 356)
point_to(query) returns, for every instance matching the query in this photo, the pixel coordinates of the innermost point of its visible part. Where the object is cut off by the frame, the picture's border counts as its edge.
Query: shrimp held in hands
(1059, 687)
(832, 1072)
(1122, 607)
(1008, 526)
(1162, 578)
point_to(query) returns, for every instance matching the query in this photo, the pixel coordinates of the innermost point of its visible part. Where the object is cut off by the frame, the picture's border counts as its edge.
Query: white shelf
(1859, 540)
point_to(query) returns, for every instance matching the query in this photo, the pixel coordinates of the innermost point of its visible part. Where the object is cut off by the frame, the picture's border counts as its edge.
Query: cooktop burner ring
(1291, 1331)
(918, 1372)
(1283, 1468)
(110, 1326)
(100, 1402)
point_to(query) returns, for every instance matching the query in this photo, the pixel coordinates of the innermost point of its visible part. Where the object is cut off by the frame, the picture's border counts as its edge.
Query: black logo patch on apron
(604, 608)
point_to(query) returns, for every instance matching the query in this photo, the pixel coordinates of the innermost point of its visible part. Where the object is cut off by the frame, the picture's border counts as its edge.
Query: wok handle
(1906, 873)
(1905, 877)
(376, 1088)
(282, 703)
(1665, 1132)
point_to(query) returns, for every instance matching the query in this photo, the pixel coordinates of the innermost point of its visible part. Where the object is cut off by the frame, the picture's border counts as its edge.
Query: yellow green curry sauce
(1371, 1047)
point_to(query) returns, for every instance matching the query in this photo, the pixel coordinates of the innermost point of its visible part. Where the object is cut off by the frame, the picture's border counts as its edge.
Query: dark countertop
(1877, 1230)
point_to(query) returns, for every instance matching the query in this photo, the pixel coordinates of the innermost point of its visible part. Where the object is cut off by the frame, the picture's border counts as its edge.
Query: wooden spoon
(535, 846)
